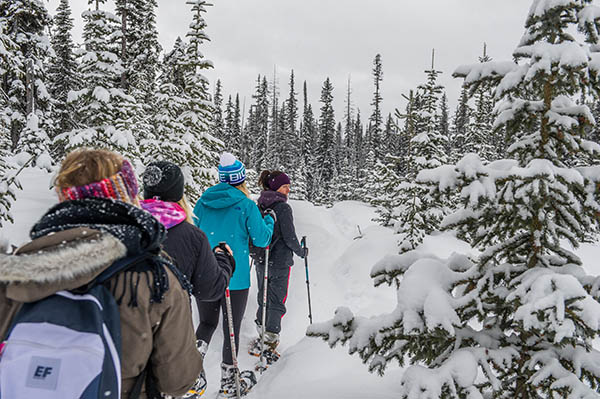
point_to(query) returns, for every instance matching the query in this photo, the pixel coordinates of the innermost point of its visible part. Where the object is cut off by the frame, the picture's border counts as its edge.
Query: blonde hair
(85, 166)
(243, 188)
(183, 202)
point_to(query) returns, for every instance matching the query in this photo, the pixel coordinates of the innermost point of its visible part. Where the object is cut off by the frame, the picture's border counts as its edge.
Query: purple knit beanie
(275, 182)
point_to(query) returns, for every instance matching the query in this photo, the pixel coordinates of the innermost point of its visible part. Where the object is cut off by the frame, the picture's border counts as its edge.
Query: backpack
(67, 345)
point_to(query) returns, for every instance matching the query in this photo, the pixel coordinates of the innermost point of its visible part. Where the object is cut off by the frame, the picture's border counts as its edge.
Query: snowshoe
(254, 347)
(269, 356)
(228, 385)
(197, 390)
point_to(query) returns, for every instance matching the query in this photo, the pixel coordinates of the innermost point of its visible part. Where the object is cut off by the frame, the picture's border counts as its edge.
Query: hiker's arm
(288, 231)
(213, 272)
(259, 229)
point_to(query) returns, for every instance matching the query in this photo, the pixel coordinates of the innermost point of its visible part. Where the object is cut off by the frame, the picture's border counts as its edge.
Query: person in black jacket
(284, 244)
(208, 271)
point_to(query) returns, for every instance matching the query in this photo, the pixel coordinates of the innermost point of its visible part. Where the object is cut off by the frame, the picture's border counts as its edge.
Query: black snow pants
(277, 291)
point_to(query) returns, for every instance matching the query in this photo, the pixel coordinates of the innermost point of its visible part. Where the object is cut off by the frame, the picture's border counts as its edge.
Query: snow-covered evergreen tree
(259, 128)
(140, 48)
(105, 113)
(63, 76)
(200, 166)
(518, 322)
(218, 124)
(288, 153)
(25, 26)
(325, 155)
(481, 138)
(429, 144)
(376, 119)
(272, 152)
(7, 186)
(308, 142)
(461, 127)
(444, 123)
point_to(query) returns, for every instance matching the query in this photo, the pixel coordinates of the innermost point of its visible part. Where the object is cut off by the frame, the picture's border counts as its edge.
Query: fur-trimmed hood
(64, 260)
(73, 243)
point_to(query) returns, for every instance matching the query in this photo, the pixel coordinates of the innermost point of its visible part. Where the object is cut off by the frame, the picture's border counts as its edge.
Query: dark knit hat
(164, 180)
(274, 182)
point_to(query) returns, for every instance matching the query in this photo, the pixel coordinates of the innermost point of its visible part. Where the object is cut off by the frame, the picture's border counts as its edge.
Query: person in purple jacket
(284, 243)
(208, 271)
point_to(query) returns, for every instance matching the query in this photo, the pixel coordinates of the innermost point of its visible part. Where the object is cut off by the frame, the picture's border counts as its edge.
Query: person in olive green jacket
(95, 224)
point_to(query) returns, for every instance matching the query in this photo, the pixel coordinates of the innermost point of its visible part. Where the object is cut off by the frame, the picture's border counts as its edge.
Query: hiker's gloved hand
(271, 213)
(305, 254)
(223, 250)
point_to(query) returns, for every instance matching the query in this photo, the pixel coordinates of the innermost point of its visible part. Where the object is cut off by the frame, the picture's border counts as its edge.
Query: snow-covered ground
(339, 263)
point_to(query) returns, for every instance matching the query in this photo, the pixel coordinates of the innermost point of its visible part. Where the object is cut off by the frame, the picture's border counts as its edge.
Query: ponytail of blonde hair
(243, 188)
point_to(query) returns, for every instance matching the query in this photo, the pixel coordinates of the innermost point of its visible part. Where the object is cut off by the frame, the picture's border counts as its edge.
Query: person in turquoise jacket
(226, 213)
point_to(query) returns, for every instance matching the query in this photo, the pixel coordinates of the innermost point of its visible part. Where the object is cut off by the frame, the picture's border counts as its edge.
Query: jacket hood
(269, 197)
(170, 214)
(64, 260)
(221, 196)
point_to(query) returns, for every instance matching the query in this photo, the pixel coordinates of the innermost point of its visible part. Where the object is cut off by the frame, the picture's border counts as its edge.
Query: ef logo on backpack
(43, 373)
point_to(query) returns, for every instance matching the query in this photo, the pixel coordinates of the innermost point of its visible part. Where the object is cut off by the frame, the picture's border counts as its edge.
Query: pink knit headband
(121, 186)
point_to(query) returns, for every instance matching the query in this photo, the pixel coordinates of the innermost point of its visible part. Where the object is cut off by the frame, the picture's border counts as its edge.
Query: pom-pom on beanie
(163, 180)
(231, 170)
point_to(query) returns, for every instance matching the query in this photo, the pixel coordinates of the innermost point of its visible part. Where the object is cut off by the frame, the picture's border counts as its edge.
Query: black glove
(225, 252)
(271, 213)
(305, 254)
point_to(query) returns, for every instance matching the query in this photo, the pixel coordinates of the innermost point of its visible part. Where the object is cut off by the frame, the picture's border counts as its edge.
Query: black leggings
(209, 319)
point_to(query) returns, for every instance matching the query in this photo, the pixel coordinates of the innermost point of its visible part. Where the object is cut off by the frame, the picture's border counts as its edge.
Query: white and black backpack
(66, 346)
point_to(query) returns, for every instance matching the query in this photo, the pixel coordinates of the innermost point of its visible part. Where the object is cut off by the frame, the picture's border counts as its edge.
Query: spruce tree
(325, 156)
(461, 127)
(289, 155)
(166, 140)
(260, 125)
(481, 138)
(519, 320)
(359, 157)
(25, 26)
(444, 123)
(63, 76)
(308, 142)
(218, 124)
(104, 111)
(429, 143)
(205, 148)
(376, 118)
(8, 185)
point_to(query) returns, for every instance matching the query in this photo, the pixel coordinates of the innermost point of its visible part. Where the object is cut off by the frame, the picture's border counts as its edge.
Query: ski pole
(232, 340)
(307, 281)
(263, 360)
(236, 369)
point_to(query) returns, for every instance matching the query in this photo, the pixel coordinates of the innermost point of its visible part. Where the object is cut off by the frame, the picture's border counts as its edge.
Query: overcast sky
(340, 38)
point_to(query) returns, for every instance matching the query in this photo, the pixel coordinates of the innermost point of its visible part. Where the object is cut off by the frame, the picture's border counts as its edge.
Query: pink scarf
(168, 213)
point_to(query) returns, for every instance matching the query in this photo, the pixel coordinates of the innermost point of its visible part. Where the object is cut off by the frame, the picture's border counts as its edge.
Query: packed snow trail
(339, 268)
